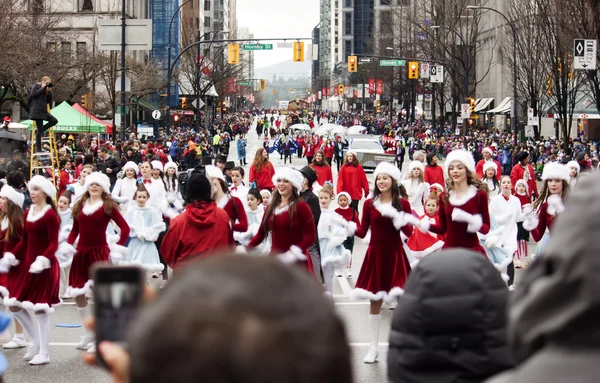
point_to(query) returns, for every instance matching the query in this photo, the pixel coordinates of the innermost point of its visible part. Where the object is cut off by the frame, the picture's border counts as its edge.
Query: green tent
(71, 121)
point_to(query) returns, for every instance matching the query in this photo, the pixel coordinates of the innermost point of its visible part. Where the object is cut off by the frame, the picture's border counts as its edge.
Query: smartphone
(118, 294)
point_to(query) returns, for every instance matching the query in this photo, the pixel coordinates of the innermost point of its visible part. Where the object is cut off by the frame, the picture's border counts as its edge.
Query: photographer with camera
(39, 100)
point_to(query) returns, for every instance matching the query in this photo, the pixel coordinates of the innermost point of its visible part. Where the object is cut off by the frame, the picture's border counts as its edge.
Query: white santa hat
(12, 195)
(522, 182)
(490, 165)
(350, 151)
(212, 171)
(344, 194)
(554, 171)
(461, 156)
(157, 165)
(99, 179)
(170, 165)
(293, 176)
(265, 192)
(488, 149)
(43, 184)
(416, 165)
(131, 165)
(574, 164)
(389, 169)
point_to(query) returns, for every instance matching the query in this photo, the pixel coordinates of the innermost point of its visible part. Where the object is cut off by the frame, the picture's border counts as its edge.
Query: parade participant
(524, 171)
(463, 207)
(255, 212)
(539, 221)
(262, 171)
(322, 168)
(200, 230)
(66, 175)
(308, 196)
(66, 224)
(339, 151)
(232, 205)
(350, 215)
(422, 244)
(125, 187)
(241, 150)
(352, 179)
(488, 156)
(91, 217)
(265, 197)
(77, 187)
(37, 287)
(11, 232)
(310, 149)
(145, 226)
(416, 188)
(238, 189)
(327, 148)
(385, 267)
(524, 198)
(332, 231)
(490, 171)
(289, 220)
(172, 186)
(229, 165)
(434, 174)
(574, 170)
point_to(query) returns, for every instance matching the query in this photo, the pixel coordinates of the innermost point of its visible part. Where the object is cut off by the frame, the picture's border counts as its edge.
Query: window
(81, 51)
(348, 48)
(85, 5)
(36, 6)
(207, 22)
(51, 46)
(347, 23)
(207, 5)
(386, 24)
(348, 3)
(385, 2)
(66, 51)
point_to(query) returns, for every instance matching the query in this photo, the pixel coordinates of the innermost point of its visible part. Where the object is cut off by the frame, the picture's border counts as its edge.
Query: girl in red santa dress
(11, 232)
(91, 216)
(36, 287)
(350, 215)
(522, 194)
(463, 206)
(539, 220)
(422, 244)
(289, 220)
(386, 266)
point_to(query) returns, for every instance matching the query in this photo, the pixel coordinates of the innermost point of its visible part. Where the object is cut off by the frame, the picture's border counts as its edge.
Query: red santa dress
(385, 268)
(422, 244)
(236, 212)
(291, 236)
(35, 281)
(92, 247)
(545, 221)
(7, 246)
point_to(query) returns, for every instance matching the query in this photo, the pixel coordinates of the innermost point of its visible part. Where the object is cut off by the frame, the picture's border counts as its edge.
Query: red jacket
(434, 175)
(353, 180)
(323, 173)
(199, 231)
(518, 172)
(479, 169)
(65, 179)
(263, 177)
(309, 150)
(328, 150)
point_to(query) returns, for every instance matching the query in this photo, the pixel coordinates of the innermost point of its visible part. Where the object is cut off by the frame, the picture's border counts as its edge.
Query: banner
(335, 91)
(323, 92)
(355, 93)
(231, 85)
(371, 85)
(328, 92)
(379, 89)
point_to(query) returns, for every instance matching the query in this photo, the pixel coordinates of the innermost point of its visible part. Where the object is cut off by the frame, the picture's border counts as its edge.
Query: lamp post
(391, 89)
(513, 109)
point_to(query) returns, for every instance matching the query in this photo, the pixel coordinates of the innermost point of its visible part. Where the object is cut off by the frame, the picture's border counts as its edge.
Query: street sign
(436, 73)
(533, 121)
(425, 70)
(365, 60)
(284, 45)
(248, 83)
(465, 111)
(138, 34)
(529, 132)
(257, 47)
(428, 115)
(392, 62)
(584, 54)
(156, 114)
(529, 112)
(198, 103)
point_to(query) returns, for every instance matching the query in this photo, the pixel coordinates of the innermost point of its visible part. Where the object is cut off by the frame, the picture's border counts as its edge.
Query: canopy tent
(72, 121)
(504, 107)
(80, 109)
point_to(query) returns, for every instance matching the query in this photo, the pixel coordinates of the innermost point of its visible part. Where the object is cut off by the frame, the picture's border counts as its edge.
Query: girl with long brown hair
(262, 171)
(352, 179)
(322, 168)
(91, 217)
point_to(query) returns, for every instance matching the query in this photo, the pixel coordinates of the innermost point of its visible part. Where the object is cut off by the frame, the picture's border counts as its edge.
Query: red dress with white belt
(92, 247)
(36, 287)
(7, 280)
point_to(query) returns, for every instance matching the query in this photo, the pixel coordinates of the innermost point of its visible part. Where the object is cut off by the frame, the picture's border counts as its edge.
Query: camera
(49, 85)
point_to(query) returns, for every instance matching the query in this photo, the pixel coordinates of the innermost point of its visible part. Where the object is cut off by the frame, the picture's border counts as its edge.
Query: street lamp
(169, 59)
(391, 89)
(513, 109)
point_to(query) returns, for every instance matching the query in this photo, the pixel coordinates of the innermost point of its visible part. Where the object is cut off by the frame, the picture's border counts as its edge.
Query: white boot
(374, 323)
(88, 338)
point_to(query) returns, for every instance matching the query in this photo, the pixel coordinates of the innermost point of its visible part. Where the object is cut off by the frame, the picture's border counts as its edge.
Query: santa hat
(389, 169)
(350, 151)
(488, 149)
(157, 165)
(554, 171)
(490, 165)
(416, 165)
(344, 194)
(574, 164)
(265, 192)
(12, 195)
(170, 165)
(98, 178)
(131, 165)
(461, 156)
(522, 182)
(43, 184)
(292, 175)
(438, 187)
(212, 171)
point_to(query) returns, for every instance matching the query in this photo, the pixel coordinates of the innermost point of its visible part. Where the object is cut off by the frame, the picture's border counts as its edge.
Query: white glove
(293, 255)
(7, 262)
(474, 221)
(424, 225)
(241, 250)
(40, 264)
(491, 241)
(531, 223)
(140, 236)
(555, 205)
(351, 228)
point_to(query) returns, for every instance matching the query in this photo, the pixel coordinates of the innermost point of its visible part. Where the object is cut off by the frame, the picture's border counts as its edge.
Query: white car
(368, 150)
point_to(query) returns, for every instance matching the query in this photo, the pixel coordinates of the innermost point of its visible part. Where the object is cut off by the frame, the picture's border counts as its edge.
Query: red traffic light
(176, 118)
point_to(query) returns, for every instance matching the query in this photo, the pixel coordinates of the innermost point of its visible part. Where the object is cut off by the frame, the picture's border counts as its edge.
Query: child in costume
(422, 244)
(350, 215)
(66, 224)
(254, 212)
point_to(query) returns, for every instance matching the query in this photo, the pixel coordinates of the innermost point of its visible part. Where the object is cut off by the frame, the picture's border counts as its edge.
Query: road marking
(366, 344)
(64, 344)
(352, 303)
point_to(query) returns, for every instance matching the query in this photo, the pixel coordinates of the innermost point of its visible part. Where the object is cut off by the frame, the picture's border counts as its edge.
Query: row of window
(402, 3)
(66, 49)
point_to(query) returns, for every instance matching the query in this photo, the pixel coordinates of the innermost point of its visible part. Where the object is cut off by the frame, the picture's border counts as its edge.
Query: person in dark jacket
(553, 327)
(39, 100)
(450, 324)
(108, 165)
(340, 146)
(310, 177)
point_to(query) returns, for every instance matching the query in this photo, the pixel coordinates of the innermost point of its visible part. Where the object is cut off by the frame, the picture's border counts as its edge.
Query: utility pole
(123, 127)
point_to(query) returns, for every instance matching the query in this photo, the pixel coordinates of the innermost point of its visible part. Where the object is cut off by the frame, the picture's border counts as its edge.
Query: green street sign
(392, 62)
(249, 83)
(257, 47)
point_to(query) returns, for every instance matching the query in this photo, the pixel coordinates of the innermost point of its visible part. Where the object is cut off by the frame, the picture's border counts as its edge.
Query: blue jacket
(241, 148)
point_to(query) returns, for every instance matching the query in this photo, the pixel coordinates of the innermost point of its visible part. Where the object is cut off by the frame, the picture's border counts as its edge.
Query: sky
(277, 19)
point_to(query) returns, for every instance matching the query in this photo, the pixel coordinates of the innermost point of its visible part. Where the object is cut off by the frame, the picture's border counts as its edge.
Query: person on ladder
(39, 100)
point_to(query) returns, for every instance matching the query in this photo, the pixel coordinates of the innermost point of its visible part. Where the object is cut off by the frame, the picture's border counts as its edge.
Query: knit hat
(133, 166)
(488, 149)
(389, 169)
(554, 171)
(309, 174)
(489, 165)
(292, 175)
(461, 156)
(521, 156)
(12, 195)
(198, 188)
(98, 178)
(574, 164)
(212, 171)
(416, 165)
(522, 182)
(170, 165)
(43, 184)
(157, 165)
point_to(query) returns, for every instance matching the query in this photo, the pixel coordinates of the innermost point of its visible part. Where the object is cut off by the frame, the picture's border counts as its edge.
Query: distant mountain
(285, 69)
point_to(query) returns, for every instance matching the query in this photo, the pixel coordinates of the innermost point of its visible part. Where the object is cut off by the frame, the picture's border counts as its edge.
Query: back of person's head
(236, 319)
(15, 179)
(450, 324)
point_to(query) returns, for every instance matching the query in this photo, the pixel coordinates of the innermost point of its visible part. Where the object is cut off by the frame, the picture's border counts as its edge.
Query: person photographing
(39, 100)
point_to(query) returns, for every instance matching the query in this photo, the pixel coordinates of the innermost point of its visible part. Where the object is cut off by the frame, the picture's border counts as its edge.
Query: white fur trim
(522, 182)
(455, 201)
(351, 228)
(292, 175)
(293, 255)
(423, 253)
(530, 223)
(399, 218)
(148, 267)
(99, 179)
(12, 195)
(337, 260)
(156, 165)
(461, 156)
(554, 171)
(40, 264)
(90, 208)
(424, 225)
(574, 164)
(491, 241)
(9, 260)
(43, 184)
(487, 149)
(281, 210)
(389, 169)
(117, 252)
(416, 165)
(170, 165)
(502, 269)
(33, 215)
(555, 204)
(133, 166)
(212, 171)
(340, 194)
(4, 224)
(489, 165)
(4, 291)
(65, 251)
(241, 250)
(75, 291)
(474, 221)
(386, 296)
(367, 238)
(45, 307)
(223, 201)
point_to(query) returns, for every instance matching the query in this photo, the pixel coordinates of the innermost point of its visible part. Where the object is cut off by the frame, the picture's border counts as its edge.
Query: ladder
(40, 162)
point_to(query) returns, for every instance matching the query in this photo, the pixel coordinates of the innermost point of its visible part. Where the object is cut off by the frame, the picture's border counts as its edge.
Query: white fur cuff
(530, 223)
(351, 228)
(293, 255)
(40, 264)
(117, 252)
(475, 223)
(7, 262)
(240, 250)
(424, 225)
(66, 250)
(491, 241)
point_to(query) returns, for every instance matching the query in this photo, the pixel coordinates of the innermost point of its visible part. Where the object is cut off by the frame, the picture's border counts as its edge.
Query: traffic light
(84, 101)
(341, 89)
(298, 51)
(352, 64)
(274, 91)
(413, 70)
(263, 84)
(176, 118)
(233, 53)
(183, 102)
(472, 106)
(549, 85)
(308, 91)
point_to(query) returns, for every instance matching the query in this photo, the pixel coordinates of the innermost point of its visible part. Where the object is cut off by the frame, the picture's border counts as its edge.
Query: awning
(500, 108)
(477, 101)
(143, 103)
(485, 102)
(71, 121)
(80, 109)
(187, 88)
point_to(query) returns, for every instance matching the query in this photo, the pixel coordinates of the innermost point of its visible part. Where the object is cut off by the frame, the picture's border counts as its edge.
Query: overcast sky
(277, 19)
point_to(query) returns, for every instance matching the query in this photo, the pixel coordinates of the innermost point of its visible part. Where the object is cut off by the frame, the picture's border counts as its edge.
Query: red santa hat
(461, 156)
(439, 188)
(522, 182)
(157, 165)
(344, 194)
(170, 165)
(12, 195)
(212, 171)
(554, 171)
(389, 169)
(490, 165)
(416, 165)
(133, 166)
(43, 184)
(293, 176)
(99, 179)
(488, 149)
